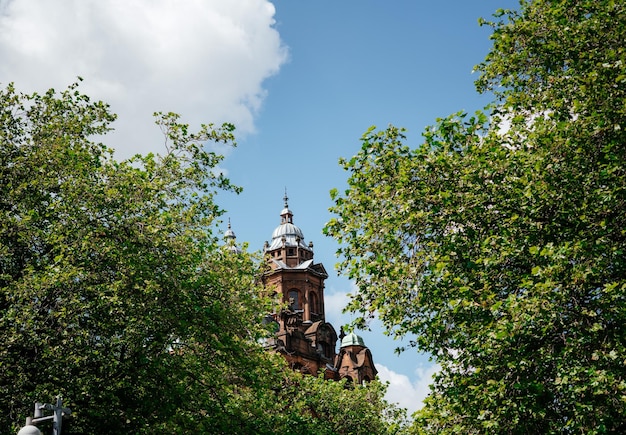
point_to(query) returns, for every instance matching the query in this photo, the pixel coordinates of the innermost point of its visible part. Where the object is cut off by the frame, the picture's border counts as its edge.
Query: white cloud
(406, 393)
(334, 303)
(205, 59)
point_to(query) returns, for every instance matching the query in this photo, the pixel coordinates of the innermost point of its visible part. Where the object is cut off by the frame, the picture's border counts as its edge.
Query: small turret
(230, 240)
(354, 360)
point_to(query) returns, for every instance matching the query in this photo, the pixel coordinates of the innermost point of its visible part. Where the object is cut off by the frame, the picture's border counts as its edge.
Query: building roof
(302, 266)
(231, 240)
(352, 340)
(287, 232)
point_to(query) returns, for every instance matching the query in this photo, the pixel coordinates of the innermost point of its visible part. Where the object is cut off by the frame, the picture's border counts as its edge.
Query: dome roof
(287, 232)
(231, 240)
(352, 340)
(229, 233)
(291, 234)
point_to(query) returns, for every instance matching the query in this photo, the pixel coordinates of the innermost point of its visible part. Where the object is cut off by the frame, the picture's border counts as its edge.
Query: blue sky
(302, 81)
(353, 64)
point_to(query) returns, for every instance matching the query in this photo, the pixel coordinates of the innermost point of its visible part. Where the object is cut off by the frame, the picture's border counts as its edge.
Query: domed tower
(230, 240)
(304, 337)
(354, 360)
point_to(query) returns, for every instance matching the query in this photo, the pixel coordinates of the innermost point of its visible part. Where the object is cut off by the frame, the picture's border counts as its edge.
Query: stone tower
(303, 336)
(354, 360)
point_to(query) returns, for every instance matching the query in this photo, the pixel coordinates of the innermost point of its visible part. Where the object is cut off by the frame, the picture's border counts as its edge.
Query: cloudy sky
(301, 80)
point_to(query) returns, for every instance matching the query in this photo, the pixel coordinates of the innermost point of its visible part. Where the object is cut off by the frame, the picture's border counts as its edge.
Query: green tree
(116, 294)
(499, 243)
(114, 291)
(315, 406)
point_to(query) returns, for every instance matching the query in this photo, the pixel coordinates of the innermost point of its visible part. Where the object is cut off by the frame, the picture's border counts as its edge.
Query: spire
(231, 239)
(229, 234)
(288, 236)
(286, 216)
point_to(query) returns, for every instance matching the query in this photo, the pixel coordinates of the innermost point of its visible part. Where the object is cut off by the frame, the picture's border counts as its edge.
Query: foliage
(499, 243)
(113, 290)
(116, 294)
(319, 407)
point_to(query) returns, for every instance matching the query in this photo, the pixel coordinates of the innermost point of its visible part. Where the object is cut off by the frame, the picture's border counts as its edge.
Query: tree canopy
(117, 293)
(498, 243)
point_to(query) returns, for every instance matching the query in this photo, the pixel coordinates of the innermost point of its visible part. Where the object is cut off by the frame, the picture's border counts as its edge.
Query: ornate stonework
(303, 337)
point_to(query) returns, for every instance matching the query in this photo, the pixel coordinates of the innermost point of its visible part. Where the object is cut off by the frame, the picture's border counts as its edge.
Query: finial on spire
(229, 234)
(231, 240)
(286, 215)
(286, 198)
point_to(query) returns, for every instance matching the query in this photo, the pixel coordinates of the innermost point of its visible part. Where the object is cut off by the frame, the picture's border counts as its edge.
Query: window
(313, 303)
(294, 300)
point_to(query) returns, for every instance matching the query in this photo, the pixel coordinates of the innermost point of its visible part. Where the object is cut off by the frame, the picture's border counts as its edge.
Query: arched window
(294, 299)
(314, 303)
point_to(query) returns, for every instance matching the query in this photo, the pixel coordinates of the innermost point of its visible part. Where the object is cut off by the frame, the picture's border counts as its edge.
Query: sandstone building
(303, 337)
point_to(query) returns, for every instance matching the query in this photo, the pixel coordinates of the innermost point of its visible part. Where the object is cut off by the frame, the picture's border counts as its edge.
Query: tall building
(303, 337)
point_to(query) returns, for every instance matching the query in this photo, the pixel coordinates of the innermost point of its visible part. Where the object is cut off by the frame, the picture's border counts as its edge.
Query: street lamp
(57, 418)
(29, 430)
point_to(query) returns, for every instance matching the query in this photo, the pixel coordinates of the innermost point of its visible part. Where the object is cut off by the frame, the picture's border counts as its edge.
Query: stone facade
(304, 338)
